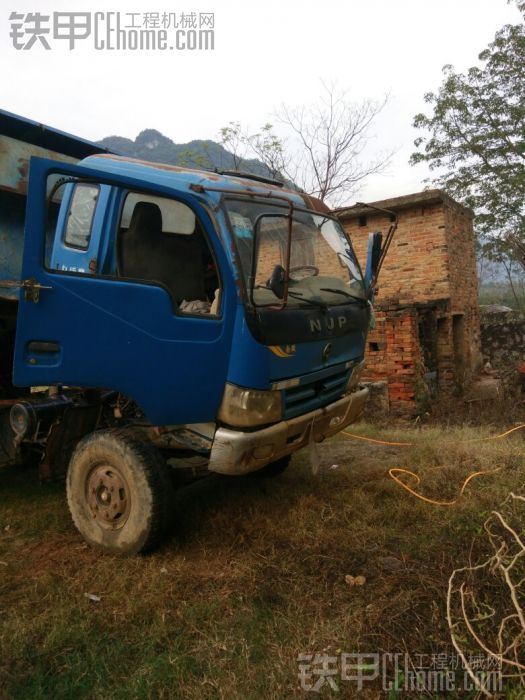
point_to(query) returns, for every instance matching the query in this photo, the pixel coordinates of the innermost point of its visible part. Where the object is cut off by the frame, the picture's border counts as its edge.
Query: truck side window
(80, 216)
(161, 240)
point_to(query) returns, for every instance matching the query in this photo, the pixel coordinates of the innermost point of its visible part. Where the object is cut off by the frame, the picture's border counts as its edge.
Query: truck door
(152, 318)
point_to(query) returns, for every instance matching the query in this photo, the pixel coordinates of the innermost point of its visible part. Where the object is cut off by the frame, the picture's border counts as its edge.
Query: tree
(331, 136)
(324, 154)
(519, 249)
(476, 139)
(233, 138)
(270, 149)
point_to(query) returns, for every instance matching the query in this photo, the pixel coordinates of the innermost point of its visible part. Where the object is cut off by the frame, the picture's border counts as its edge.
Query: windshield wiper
(313, 302)
(295, 295)
(343, 293)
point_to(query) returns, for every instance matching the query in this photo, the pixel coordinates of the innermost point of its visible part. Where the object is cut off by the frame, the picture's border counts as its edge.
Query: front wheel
(119, 492)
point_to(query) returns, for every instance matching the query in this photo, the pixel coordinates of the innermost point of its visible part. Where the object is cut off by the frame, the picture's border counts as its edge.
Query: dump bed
(20, 139)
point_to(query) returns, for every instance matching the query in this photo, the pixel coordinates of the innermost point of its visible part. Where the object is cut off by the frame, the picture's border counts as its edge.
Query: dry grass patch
(254, 574)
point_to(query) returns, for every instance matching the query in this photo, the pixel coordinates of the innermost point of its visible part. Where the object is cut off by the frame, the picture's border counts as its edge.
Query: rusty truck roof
(184, 177)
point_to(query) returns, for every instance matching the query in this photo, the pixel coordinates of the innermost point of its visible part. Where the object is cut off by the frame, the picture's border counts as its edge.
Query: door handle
(43, 347)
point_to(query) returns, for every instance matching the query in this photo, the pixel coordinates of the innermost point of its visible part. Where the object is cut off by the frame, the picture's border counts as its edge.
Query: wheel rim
(108, 496)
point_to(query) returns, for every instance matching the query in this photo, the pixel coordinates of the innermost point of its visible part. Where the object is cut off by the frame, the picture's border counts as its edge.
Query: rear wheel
(119, 492)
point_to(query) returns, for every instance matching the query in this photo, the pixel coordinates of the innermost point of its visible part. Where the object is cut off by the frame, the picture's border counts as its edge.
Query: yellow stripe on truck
(280, 352)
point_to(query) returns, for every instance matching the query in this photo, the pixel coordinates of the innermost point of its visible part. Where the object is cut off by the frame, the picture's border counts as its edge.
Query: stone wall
(503, 339)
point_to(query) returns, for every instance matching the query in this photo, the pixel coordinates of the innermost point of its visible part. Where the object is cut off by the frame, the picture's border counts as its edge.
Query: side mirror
(278, 236)
(375, 241)
(276, 281)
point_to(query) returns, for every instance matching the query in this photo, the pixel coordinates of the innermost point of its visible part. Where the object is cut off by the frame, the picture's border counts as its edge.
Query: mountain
(150, 144)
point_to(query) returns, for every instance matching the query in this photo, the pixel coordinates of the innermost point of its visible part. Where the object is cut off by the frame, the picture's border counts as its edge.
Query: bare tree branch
(331, 136)
(473, 609)
(324, 156)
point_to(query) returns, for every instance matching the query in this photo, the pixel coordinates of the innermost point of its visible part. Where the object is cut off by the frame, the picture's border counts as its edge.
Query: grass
(501, 293)
(253, 576)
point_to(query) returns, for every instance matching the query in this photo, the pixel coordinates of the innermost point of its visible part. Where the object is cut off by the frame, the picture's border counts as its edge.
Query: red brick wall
(393, 355)
(307, 249)
(430, 269)
(464, 281)
(416, 268)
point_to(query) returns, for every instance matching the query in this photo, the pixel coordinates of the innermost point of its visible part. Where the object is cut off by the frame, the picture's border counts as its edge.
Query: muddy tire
(119, 493)
(274, 468)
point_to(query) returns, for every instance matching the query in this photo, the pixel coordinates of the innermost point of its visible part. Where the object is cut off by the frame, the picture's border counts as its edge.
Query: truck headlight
(248, 407)
(355, 376)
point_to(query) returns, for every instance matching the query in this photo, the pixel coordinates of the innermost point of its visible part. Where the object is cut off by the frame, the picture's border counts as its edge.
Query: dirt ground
(258, 577)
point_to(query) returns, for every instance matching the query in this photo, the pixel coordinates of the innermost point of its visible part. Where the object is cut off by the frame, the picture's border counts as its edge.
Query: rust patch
(8, 402)
(23, 167)
(23, 170)
(315, 203)
(206, 175)
(15, 156)
(160, 166)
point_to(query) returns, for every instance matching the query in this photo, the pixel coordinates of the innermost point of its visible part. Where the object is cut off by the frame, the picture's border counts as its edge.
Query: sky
(265, 54)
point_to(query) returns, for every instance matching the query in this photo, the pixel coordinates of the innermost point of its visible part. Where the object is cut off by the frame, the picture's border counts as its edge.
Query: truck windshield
(323, 267)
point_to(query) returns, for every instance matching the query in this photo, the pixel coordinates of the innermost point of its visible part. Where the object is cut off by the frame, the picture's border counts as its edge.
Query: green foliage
(234, 141)
(151, 145)
(271, 150)
(502, 294)
(476, 138)
(265, 146)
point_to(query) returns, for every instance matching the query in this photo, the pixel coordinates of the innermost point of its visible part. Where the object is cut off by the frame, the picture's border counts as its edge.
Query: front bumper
(238, 452)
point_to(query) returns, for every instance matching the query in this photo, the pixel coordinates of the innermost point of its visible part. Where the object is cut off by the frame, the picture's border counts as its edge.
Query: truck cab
(168, 314)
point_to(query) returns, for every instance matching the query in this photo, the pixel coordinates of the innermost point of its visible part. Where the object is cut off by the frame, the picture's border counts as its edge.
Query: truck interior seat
(146, 253)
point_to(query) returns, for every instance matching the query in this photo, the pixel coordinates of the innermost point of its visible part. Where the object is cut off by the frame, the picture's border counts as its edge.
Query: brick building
(427, 336)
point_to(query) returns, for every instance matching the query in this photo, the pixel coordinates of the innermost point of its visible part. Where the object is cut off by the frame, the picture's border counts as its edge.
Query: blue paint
(369, 273)
(255, 365)
(316, 389)
(65, 257)
(125, 336)
(122, 335)
(20, 139)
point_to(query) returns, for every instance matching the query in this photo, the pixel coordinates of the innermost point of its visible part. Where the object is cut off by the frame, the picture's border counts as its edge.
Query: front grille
(323, 388)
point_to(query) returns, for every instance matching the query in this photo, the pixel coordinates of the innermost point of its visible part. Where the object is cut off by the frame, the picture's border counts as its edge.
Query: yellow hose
(392, 473)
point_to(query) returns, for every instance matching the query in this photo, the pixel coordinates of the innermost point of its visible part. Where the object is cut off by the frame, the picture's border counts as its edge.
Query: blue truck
(159, 321)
